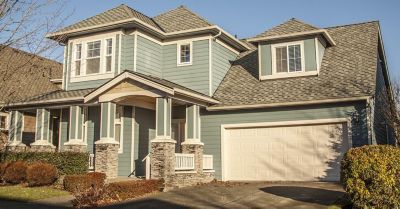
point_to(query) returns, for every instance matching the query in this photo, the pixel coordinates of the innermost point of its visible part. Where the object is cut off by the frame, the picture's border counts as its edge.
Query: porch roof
(159, 84)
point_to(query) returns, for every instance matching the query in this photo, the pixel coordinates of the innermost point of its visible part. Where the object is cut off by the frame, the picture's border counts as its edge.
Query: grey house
(177, 97)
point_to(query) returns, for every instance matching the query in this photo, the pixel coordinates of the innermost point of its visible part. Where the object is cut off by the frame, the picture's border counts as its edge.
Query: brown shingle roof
(180, 19)
(291, 26)
(23, 75)
(119, 13)
(347, 70)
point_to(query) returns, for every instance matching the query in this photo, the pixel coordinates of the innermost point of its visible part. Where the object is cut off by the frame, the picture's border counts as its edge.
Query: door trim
(224, 127)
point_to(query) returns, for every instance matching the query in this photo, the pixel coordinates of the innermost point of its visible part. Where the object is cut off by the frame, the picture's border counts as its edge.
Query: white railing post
(91, 161)
(208, 162)
(184, 161)
(147, 159)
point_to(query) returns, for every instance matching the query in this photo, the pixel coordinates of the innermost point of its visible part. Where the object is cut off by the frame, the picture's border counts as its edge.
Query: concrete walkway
(310, 195)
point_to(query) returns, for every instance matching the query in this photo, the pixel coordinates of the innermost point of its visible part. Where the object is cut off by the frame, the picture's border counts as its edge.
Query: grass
(22, 193)
(341, 203)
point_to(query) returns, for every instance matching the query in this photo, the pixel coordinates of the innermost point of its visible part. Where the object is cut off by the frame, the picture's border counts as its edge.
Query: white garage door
(292, 153)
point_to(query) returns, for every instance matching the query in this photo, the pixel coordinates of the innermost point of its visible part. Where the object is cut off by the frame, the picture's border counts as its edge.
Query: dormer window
(287, 58)
(184, 54)
(93, 57)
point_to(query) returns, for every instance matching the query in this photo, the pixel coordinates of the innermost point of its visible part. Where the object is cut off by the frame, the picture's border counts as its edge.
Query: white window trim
(178, 53)
(103, 49)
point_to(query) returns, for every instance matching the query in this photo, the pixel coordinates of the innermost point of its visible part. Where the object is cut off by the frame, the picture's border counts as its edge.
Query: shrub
(130, 189)
(82, 183)
(41, 174)
(67, 163)
(3, 167)
(371, 176)
(89, 199)
(15, 172)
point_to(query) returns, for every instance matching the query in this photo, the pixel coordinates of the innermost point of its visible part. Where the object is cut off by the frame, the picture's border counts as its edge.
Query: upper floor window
(78, 56)
(93, 57)
(109, 50)
(288, 58)
(185, 54)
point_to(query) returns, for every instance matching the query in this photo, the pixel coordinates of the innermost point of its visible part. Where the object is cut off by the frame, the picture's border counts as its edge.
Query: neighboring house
(284, 105)
(23, 76)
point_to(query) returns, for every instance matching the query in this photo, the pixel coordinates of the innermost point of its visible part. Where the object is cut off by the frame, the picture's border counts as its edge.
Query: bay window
(78, 56)
(109, 54)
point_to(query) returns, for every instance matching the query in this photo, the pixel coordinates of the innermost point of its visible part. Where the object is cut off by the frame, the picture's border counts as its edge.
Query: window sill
(184, 64)
(90, 77)
(289, 75)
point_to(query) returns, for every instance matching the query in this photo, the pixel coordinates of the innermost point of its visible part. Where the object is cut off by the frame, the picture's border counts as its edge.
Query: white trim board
(225, 127)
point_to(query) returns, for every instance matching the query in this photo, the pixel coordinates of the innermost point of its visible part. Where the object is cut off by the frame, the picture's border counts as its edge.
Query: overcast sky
(246, 18)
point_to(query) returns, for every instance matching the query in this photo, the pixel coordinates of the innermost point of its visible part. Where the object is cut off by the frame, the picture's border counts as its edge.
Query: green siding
(266, 59)
(93, 127)
(112, 118)
(127, 52)
(168, 115)
(221, 62)
(64, 127)
(65, 69)
(149, 57)
(310, 55)
(124, 158)
(86, 84)
(68, 73)
(195, 76)
(211, 123)
(144, 132)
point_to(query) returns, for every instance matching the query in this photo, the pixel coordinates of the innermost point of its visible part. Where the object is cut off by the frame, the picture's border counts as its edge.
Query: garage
(308, 151)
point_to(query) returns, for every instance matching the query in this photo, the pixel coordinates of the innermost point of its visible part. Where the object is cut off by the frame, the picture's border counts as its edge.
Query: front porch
(133, 125)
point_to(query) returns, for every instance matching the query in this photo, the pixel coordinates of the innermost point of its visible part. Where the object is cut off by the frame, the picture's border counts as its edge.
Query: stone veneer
(197, 150)
(42, 148)
(162, 157)
(106, 160)
(17, 148)
(184, 179)
(74, 148)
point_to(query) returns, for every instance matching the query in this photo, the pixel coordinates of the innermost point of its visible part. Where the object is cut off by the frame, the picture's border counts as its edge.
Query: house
(177, 97)
(24, 75)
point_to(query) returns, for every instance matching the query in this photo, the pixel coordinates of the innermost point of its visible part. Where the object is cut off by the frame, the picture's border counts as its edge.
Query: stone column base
(197, 150)
(106, 159)
(16, 146)
(42, 146)
(162, 157)
(75, 146)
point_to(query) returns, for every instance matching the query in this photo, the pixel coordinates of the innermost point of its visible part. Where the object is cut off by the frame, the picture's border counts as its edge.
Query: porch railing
(91, 162)
(208, 162)
(184, 161)
(147, 162)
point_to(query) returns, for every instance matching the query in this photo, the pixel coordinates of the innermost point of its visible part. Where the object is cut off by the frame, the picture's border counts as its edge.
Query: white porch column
(76, 141)
(162, 154)
(16, 124)
(42, 135)
(106, 149)
(193, 125)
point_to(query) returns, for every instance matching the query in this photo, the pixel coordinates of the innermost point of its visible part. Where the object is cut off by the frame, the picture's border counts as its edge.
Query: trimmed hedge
(371, 176)
(67, 163)
(15, 172)
(41, 174)
(130, 189)
(82, 183)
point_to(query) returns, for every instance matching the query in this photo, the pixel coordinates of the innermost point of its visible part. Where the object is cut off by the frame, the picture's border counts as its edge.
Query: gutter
(287, 104)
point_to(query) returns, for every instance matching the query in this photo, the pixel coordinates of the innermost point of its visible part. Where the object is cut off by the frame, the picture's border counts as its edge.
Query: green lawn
(22, 193)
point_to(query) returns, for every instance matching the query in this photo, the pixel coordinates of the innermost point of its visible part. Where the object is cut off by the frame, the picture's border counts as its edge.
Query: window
(78, 56)
(3, 122)
(185, 54)
(118, 124)
(93, 57)
(288, 58)
(108, 54)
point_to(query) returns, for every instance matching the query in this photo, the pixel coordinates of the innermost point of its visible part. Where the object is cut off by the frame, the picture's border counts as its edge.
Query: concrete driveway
(220, 195)
(308, 195)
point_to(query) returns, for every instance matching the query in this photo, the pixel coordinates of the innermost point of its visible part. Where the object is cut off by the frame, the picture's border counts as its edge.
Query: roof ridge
(187, 9)
(302, 22)
(130, 11)
(352, 24)
(30, 54)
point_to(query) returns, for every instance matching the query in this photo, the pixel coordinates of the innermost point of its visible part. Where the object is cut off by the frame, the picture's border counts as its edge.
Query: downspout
(214, 38)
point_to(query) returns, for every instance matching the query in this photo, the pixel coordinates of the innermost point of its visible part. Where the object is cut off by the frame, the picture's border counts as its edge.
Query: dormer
(292, 49)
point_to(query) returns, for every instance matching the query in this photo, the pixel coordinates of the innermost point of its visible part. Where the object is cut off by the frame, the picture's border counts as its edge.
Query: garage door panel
(297, 153)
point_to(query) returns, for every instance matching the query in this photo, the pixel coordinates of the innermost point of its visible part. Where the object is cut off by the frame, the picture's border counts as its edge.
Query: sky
(246, 18)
